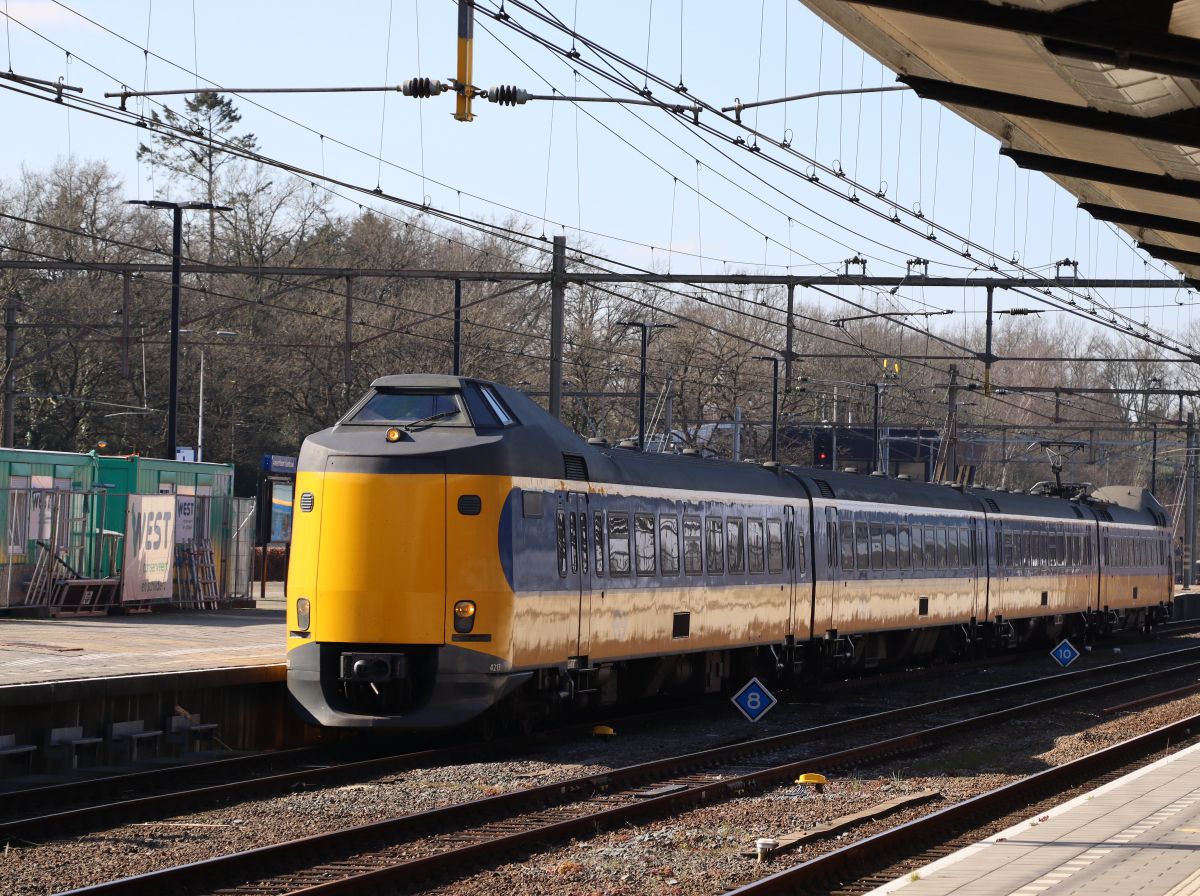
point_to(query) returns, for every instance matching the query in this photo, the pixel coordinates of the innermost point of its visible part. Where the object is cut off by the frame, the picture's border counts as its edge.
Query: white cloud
(38, 13)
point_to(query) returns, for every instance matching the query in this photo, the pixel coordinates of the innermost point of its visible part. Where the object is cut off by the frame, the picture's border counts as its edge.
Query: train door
(825, 556)
(791, 563)
(580, 573)
(978, 566)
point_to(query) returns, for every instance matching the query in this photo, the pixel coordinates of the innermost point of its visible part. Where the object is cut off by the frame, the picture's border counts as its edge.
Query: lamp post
(200, 416)
(645, 333)
(177, 209)
(774, 404)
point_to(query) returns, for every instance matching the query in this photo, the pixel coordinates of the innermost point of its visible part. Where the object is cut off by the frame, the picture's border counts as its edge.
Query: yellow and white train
(458, 551)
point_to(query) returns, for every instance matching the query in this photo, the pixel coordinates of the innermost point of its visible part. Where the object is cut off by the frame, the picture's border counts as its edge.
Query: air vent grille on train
(992, 505)
(576, 467)
(824, 488)
(306, 502)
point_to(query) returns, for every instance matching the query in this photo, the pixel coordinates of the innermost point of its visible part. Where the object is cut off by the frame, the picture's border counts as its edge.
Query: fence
(58, 553)
(239, 567)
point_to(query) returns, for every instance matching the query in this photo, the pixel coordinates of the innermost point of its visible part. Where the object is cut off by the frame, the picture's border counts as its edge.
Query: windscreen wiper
(426, 421)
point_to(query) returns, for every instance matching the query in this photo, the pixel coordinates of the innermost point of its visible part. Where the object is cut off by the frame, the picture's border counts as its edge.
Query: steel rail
(331, 769)
(842, 866)
(297, 855)
(13, 801)
(101, 807)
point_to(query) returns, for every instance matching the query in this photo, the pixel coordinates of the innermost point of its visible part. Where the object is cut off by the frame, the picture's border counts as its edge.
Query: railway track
(81, 805)
(78, 806)
(439, 843)
(879, 859)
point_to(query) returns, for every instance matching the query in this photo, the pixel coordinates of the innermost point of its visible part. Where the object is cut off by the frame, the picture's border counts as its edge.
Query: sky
(638, 185)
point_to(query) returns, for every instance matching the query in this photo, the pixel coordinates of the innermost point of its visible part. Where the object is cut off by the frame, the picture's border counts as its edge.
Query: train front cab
(399, 614)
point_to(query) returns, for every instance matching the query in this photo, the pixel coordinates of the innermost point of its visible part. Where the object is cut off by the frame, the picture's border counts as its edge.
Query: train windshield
(391, 406)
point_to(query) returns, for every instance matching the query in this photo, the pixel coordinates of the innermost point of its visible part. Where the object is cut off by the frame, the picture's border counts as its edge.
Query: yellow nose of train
(392, 580)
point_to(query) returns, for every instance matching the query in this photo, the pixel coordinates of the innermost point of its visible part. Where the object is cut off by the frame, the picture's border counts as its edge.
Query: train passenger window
(735, 538)
(643, 540)
(789, 541)
(889, 546)
(714, 545)
(618, 544)
(847, 545)
(931, 561)
(800, 554)
(755, 549)
(918, 547)
(1061, 538)
(560, 528)
(598, 531)
(774, 546)
(876, 545)
(1007, 552)
(952, 547)
(693, 551)
(833, 539)
(1051, 551)
(940, 534)
(574, 550)
(904, 547)
(974, 547)
(862, 546)
(585, 543)
(668, 544)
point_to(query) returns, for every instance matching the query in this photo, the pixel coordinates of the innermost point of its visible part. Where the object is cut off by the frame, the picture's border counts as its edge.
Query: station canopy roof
(1100, 95)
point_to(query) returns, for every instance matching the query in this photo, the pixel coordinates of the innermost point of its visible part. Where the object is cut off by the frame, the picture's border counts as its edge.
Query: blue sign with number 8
(754, 701)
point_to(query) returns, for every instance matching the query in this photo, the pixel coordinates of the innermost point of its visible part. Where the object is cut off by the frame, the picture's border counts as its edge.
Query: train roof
(542, 446)
(880, 489)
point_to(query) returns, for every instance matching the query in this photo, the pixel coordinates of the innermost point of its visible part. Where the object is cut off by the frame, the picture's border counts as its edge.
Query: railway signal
(754, 701)
(1065, 653)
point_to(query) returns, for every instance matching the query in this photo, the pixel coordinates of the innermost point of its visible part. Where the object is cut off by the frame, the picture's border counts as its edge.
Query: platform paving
(1139, 834)
(49, 650)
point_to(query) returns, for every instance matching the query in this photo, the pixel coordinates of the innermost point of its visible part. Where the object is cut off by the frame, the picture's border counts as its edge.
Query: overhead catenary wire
(1161, 339)
(147, 54)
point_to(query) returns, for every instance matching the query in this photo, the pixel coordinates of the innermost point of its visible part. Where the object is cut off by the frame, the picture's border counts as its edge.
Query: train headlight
(303, 613)
(464, 616)
(392, 435)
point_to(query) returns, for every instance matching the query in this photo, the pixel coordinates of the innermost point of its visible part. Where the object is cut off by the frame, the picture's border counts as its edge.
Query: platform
(1139, 834)
(227, 666)
(43, 650)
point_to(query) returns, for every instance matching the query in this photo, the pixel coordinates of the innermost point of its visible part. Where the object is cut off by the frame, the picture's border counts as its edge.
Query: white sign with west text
(149, 547)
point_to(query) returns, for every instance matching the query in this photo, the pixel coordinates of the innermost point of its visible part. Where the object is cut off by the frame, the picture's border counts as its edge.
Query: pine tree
(194, 147)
